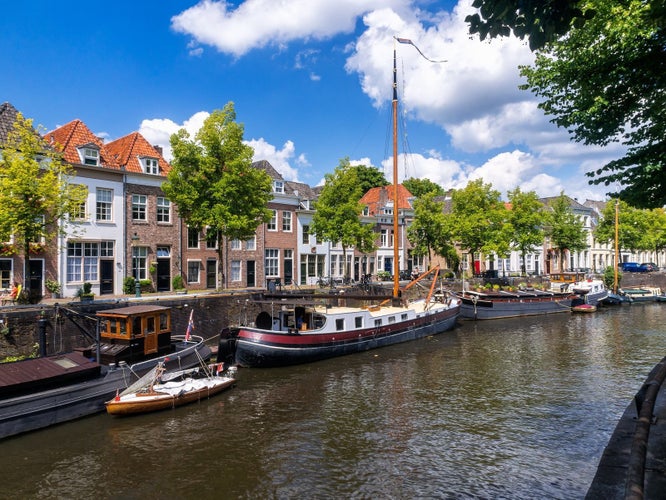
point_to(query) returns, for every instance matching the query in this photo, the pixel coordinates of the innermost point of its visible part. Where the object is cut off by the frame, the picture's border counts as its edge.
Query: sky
(310, 81)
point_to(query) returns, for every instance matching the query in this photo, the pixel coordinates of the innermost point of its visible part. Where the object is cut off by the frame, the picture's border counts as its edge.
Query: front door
(163, 275)
(288, 271)
(251, 280)
(36, 281)
(105, 277)
(211, 274)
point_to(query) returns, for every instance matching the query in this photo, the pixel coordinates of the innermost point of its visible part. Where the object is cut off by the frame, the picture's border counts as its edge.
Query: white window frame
(163, 205)
(104, 206)
(151, 165)
(139, 207)
(271, 225)
(89, 156)
(286, 221)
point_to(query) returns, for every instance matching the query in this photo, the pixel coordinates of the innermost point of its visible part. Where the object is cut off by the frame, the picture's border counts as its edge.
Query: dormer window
(278, 187)
(150, 166)
(89, 155)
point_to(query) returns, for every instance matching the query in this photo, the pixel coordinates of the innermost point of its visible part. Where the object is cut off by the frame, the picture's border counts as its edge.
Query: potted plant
(177, 283)
(53, 286)
(85, 293)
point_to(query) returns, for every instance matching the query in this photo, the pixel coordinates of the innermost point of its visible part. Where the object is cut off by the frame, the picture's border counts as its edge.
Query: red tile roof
(129, 149)
(377, 198)
(72, 136)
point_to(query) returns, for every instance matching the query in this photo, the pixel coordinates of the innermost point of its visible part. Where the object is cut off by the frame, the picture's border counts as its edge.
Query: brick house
(153, 233)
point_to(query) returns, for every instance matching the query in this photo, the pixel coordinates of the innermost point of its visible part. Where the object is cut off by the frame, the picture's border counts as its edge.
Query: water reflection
(502, 409)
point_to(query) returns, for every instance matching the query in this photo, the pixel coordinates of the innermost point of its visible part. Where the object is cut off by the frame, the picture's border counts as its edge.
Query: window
(140, 263)
(192, 238)
(235, 270)
(340, 324)
(5, 273)
(193, 268)
(82, 261)
(272, 224)
(306, 235)
(163, 252)
(278, 187)
(384, 238)
(106, 249)
(163, 210)
(104, 204)
(211, 239)
(235, 244)
(139, 206)
(151, 166)
(286, 221)
(79, 212)
(358, 321)
(272, 262)
(251, 244)
(89, 156)
(378, 323)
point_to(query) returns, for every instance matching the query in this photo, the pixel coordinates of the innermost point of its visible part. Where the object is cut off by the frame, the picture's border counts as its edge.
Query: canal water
(515, 409)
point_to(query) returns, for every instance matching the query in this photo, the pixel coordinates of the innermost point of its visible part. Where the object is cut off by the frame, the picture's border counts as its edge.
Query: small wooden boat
(160, 390)
(584, 308)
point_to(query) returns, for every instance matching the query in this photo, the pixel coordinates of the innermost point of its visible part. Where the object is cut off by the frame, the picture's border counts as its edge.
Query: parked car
(649, 267)
(632, 267)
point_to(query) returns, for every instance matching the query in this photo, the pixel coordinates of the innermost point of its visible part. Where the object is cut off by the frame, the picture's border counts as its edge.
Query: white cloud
(259, 23)
(278, 158)
(157, 131)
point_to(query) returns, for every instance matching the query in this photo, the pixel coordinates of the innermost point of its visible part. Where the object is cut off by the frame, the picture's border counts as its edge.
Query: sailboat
(302, 332)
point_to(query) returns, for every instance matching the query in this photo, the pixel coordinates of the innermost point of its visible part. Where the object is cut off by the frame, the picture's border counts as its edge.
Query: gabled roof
(378, 197)
(304, 191)
(68, 138)
(7, 118)
(268, 168)
(127, 152)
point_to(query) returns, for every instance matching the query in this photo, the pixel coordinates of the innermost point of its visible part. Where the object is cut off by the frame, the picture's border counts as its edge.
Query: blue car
(632, 267)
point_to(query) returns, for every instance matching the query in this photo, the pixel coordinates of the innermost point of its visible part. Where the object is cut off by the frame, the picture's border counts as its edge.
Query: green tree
(213, 183)
(604, 82)
(429, 232)
(656, 235)
(337, 212)
(369, 177)
(477, 218)
(564, 228)
(419, 187)
(36, 193)
(638, 229)
(526, 218)
(541, 21)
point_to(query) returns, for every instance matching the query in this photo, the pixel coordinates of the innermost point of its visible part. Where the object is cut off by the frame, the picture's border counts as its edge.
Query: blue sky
(310, 79)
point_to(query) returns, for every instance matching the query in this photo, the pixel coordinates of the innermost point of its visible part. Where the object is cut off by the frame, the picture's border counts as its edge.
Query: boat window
(340, 324)
(378, 322)
(123, 327)
(164, 321)
(391, 319)
(358, 321)
(403, 317)
(136, 326)
(150, 324)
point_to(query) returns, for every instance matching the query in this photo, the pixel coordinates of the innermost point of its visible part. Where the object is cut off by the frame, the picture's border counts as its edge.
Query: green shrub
(177, 282)
(128, 285)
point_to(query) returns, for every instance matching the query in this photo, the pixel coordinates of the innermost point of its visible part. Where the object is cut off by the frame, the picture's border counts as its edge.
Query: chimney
(158, 149)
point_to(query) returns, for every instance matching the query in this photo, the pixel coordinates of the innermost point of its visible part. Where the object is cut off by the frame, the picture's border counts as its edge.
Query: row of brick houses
(128, 227)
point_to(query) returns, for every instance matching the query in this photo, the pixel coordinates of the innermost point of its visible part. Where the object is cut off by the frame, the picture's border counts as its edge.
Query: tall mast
(617, 248)
(396, 240)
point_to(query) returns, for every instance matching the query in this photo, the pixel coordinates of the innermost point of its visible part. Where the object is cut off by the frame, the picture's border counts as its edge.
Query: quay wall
(19, 332)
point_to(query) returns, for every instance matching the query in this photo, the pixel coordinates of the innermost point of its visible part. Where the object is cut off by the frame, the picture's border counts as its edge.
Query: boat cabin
(291, 319)
(134, 333)
(559, 282)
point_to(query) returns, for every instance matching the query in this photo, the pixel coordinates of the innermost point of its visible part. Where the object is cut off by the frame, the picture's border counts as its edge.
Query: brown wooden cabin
(560, 281)
(134, 333)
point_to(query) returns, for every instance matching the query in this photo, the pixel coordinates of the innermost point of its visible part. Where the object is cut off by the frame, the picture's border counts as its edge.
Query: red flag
(190, 326)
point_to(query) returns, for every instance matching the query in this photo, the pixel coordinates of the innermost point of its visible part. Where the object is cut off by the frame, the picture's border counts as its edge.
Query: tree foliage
(420, 187)
(563, 227)
(337, 212)
(638, 229)
(540, 21)
(36, 192)
(429, 232)
(477, 218)
(526, 218)
(604, 82)
(212, 180)
(369, 177)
